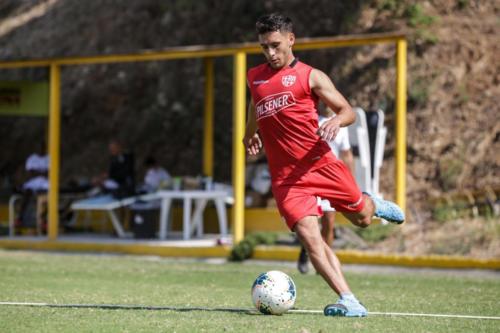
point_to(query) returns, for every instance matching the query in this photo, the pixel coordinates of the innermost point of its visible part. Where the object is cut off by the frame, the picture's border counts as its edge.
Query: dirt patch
(478, 238)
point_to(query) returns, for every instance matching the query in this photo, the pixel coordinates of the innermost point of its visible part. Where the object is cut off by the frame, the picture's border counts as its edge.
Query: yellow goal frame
(239, 53)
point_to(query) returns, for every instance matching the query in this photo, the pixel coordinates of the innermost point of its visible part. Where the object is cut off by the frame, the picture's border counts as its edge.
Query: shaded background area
(156, 107)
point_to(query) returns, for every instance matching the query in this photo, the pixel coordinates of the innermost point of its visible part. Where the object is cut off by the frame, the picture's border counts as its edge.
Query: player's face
(277, 47)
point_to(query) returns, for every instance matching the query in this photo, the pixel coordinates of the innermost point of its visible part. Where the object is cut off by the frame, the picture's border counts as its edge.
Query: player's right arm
(252, 141)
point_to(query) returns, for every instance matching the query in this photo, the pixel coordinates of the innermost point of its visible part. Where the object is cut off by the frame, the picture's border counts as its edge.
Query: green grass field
(93, 279)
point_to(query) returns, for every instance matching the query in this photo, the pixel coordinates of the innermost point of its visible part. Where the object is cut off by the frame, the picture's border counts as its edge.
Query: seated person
(37, 167)
(258, 178)
(120, 178)
(156, 177)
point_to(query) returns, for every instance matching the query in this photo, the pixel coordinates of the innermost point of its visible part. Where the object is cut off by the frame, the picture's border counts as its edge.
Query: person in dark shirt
(120, 178)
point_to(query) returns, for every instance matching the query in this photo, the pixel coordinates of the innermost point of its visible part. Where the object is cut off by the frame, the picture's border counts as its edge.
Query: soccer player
(283, 117)
(341, 147)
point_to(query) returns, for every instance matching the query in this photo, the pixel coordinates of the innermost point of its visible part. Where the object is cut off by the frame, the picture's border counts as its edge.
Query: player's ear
(291, 39)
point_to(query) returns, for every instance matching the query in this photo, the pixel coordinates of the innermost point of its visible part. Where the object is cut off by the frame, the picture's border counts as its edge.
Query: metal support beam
(239, 105)
(401, 48)
(208, 119)
(203, 51)
(54, 144)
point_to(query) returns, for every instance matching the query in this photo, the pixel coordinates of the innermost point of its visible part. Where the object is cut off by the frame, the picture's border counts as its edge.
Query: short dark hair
(273, 22)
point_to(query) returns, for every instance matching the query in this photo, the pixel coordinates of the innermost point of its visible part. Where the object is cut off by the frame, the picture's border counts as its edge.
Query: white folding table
(108, 204)
(193, 221)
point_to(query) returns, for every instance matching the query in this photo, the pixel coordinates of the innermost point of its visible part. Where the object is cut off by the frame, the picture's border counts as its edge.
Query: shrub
(244, 249)
(375, 233)
(417, 17)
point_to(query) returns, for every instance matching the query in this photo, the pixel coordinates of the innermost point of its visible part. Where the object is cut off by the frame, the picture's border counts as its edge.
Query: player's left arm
(323, 87)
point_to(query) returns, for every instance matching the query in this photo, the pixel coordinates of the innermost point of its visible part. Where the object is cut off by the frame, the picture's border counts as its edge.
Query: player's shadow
(150, 308)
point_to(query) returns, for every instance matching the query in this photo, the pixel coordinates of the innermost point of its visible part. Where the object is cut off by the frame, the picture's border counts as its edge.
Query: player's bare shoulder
(318, 79)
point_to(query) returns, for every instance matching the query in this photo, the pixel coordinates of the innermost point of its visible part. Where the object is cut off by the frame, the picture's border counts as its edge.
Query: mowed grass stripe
(90, 279)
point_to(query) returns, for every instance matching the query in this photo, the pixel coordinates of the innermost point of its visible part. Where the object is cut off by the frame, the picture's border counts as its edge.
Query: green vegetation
(94, 279)
(462, 4)
(450, 169)
(375, 233)
(463, 94)
(417, 17)
(391, 5)
(443, 212)
(244, 249)
(427, 36)
(419, 91)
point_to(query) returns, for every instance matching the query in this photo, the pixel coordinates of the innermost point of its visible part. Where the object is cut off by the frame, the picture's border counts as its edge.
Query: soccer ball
(273, 293)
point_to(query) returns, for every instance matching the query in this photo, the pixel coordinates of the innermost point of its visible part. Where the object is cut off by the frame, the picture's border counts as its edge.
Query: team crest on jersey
(288, 80)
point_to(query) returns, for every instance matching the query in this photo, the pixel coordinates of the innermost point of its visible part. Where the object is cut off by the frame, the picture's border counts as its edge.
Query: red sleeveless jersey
(287, 118)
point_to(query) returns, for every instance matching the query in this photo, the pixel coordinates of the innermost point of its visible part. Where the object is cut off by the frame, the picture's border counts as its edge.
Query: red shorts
(332, 182)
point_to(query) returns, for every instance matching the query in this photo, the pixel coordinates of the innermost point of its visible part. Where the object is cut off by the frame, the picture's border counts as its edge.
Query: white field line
(370, 313)
(195, 308)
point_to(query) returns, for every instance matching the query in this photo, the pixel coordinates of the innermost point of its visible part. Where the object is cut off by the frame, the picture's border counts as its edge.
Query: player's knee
(312, 244)
(309, 234)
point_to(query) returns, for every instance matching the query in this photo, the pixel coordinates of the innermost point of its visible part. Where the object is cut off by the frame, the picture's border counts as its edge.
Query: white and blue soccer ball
(273, 293)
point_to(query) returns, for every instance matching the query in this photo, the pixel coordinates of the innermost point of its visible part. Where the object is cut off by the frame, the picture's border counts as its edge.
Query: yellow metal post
(208, 119)
(54, 144)
(239, 105)
(401, 46)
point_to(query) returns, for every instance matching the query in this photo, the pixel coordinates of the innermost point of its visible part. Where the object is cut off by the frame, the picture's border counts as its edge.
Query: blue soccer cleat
(387, 210)
(346, 308)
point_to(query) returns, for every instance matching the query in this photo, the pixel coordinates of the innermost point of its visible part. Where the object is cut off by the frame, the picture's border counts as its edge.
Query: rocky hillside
(454, 72)
(453, 113)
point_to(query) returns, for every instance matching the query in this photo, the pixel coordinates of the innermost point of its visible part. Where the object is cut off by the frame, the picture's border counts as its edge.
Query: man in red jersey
(283, 117)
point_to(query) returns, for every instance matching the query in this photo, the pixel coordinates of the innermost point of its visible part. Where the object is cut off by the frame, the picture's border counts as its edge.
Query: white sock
(348, 297)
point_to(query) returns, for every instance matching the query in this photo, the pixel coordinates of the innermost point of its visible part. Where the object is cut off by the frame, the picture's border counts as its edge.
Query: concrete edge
(138, 248)
(290, 253)
(261, 252)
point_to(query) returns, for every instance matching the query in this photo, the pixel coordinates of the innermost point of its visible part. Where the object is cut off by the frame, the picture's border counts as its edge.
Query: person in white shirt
(37, 165)
(37, 168)
(156, 177)
(341, 147)
(37, 162)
